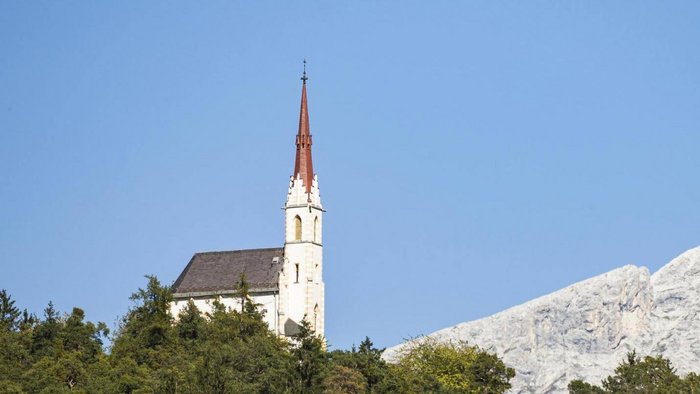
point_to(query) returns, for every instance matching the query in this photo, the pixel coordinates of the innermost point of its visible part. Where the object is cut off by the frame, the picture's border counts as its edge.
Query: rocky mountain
(583, 331)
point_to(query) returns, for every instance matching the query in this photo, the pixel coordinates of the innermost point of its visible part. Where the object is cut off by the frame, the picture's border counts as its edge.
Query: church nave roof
(212, 272)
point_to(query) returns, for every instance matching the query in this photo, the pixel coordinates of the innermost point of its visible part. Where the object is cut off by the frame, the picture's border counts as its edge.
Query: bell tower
(301, 284)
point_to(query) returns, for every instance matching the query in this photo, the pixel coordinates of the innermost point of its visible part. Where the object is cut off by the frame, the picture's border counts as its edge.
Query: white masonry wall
(267, 302)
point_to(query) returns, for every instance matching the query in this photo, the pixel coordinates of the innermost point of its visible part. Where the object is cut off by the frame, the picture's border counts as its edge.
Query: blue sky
(471, 155)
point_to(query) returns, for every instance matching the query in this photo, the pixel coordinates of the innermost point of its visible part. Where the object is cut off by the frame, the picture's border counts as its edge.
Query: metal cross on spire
(304, 78)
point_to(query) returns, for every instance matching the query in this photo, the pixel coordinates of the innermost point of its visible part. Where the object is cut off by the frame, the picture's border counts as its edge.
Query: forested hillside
(232, 351)
(227, 351)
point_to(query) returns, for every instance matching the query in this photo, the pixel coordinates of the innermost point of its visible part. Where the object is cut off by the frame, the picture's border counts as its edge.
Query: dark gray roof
(221, 271)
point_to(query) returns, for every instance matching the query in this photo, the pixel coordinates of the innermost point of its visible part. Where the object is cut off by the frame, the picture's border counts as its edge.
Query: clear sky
(471, 155)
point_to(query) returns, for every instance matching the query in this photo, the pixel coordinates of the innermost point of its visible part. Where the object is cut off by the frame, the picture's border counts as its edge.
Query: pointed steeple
(303, 165)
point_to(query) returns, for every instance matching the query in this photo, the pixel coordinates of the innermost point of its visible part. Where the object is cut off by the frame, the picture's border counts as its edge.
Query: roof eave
(217, 293)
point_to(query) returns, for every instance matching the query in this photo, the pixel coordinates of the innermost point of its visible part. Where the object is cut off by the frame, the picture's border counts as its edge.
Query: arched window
(316, 231)
(296, 273)
(297, 228)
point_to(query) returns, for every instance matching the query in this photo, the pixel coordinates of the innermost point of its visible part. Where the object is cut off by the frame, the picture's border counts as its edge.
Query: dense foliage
(651, 375)
(224, 351)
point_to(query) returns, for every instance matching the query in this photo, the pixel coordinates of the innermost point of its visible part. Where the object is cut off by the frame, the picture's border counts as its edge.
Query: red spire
(303, 166)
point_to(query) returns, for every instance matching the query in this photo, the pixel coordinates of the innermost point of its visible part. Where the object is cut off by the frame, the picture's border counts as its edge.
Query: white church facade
(286, 282)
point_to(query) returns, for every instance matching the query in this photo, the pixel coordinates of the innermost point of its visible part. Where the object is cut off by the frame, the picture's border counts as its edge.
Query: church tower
(301, 283)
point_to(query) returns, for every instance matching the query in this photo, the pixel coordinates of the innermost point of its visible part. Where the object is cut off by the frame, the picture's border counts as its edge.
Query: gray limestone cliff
(583, 331)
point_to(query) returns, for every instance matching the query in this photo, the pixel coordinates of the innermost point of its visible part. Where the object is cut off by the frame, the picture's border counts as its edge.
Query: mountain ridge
(584, 330)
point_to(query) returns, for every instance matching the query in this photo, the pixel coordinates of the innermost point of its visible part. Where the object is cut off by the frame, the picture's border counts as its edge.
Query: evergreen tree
(190, 323)
(45, 338)
(367, 360)
(145, 350)
(250, 318)
(148, 325)
(14, 345)
(9, 314)
(82, 337)
(27, 321)
(233, 351)
(58, 354)
(14, 358)
(311, 358)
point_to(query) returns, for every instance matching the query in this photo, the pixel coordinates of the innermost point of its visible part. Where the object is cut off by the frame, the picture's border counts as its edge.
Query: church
(286, 282)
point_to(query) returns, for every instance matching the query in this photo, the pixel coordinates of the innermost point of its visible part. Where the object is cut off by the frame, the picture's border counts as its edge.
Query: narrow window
(297, 228)
(296, 277)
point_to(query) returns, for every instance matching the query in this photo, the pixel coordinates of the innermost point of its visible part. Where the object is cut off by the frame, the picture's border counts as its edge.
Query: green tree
(82, 337)
(148, 325)
(635, 375)
(8, 386)
(580, 387)
(367, 360)
(250, 318)
(15, 341)
(126, 376)
(56, 374)
(27, 321)
(344, 380)
(454, 367)
(9, 314)
(232, 350)
(311, 358)
(692, 383)
(651, 375)
(190, 323)
(59, 354)
(145, 348)
(46, 334)
(15, 358)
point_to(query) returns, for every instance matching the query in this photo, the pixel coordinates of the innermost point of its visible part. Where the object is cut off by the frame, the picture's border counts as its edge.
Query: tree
(344, 380)
(45, 338)
(641, 375)
(233, 350)
(14, 358)
(580, 387)
(692, 382)
(429, 366)
(56, 374)
(311, 358)
(367, 360)
(83, 337)
(14, 345)
(9, 314)
(190, 322)
(58, 353)
(145, 348)
(489, 373)
(250, 318)
(148, 325)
